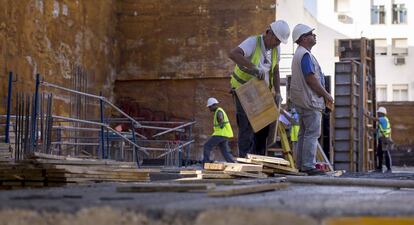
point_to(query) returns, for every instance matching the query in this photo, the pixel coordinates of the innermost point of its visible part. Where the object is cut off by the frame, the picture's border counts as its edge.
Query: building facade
(388, 22)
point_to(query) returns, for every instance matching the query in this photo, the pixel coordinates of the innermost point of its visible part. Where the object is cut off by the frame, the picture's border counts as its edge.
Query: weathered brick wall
(50, 36)
(174, 54)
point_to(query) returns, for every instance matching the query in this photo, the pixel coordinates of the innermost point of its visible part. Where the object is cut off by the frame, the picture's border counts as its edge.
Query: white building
(389, 22)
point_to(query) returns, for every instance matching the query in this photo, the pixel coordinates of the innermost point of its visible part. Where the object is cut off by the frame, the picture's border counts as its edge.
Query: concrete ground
(314, 204)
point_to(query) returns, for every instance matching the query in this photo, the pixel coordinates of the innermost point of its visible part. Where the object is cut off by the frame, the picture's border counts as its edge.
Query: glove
(278, 99)
(259, 73)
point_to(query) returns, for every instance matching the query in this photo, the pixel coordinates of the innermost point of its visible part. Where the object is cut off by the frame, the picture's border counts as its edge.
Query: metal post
(187, 155)
(9, 96)
(102, 140)
(34, 117)
(133, 147)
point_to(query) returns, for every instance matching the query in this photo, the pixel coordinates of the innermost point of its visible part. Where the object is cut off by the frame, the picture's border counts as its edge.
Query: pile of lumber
(48, 170)
(271, 165)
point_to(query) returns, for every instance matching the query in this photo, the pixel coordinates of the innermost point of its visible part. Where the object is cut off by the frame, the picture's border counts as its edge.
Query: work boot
(314, 172)
(388, 171)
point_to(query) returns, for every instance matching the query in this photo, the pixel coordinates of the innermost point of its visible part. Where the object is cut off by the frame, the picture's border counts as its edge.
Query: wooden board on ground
(214, 166)
(247, 189)
(257, 101)
(246, 174)
(166, 187)
(192, 180)
(239, 167)
(268, 159)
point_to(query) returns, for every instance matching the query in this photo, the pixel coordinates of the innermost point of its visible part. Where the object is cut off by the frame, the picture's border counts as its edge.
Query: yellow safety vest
(240, 77)
(226, 131)
(294, 132)
(385, 131)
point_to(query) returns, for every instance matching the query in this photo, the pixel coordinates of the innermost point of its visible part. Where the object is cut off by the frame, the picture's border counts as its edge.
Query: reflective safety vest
(294, 132)
(385, 131)
(226, 131)
(240, 77)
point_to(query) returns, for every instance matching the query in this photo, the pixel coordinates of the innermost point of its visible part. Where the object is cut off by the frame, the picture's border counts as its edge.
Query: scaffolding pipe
(9, 96)
(106, 126)
(92, 96)
(176, 148)
(173, 129)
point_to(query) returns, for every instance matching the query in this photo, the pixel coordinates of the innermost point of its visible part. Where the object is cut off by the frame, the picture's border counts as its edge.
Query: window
(378, 14)
(399, 13)
(400, 92)
(382, 93)
(399, 46)
(381, 46)
(342, 6)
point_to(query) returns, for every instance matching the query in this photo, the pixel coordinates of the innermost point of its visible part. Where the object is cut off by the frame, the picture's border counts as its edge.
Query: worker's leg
(388, 161)
(380, 155)
(225, 150)
(260, 141)
(299, 145)
(245, 136)
(295, 151)
(311, 132)
(208, 147)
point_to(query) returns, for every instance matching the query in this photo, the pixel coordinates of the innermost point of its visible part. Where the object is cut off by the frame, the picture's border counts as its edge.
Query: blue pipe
(9, 96)
(34, 114)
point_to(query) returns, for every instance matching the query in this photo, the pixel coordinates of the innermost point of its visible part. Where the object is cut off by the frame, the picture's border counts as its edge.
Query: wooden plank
(257, 101)
(165, 188)
(268, 159)
(244, 160)
(192, 180)
(248, 189)
(366, 182)
(239, 167)
(245, 174)
(214, 166)
(214, 176)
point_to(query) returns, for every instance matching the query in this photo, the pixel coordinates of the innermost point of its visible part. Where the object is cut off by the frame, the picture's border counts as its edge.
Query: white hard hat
(382, 110)
(300, 30)
(211, 101)
(281, 29)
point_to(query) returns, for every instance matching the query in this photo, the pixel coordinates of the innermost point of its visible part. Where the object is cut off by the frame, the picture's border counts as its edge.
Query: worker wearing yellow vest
(221, 133)
(257, 56)
(384, 139)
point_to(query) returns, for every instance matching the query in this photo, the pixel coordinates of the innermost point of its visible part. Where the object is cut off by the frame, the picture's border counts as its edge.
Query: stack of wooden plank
(271, 165)
(47, 170)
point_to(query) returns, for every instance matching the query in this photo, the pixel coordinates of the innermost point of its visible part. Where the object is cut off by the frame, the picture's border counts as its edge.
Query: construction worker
(308, 94)
(384, 139)
(221, 133)
(257, 56)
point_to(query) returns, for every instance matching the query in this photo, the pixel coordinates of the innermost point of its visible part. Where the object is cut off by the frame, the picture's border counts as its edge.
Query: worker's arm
(237, 55)
(220, 119)
(317, 87)
(368, 115)
(276, 84)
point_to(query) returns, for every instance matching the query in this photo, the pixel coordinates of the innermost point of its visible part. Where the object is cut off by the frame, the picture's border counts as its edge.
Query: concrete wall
(174, 54)
(50, 36)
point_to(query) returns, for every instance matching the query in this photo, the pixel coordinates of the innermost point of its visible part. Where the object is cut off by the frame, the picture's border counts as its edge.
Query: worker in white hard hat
(308, 95)
(222, 132)
(257, 56)
(384, 139)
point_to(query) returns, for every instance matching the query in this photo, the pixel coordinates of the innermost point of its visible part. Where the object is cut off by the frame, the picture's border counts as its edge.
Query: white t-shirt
(249, 45)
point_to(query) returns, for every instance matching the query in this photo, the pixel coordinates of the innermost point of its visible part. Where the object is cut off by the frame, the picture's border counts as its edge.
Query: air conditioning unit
(345, 18)
(399, 60)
